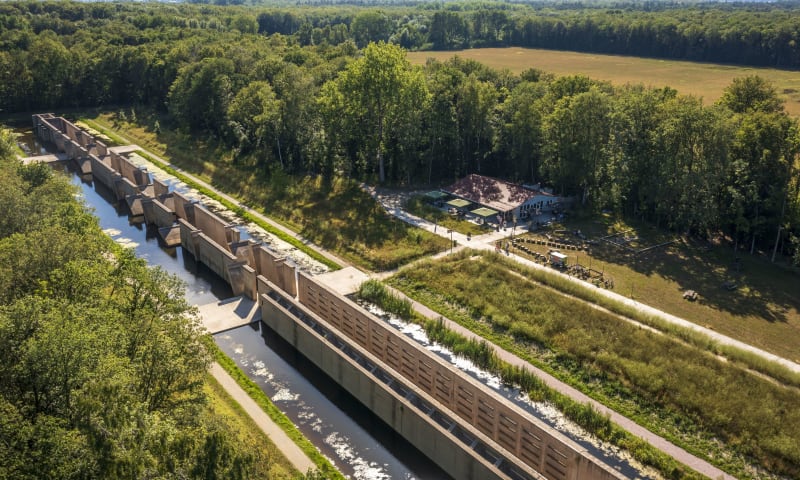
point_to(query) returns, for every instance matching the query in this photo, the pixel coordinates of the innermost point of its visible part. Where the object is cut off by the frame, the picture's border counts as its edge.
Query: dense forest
(318, 97)
(101, 363)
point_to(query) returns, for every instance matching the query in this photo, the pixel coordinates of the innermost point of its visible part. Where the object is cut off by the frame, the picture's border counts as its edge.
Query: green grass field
(705, 80)
(764, 311)
(270, 461)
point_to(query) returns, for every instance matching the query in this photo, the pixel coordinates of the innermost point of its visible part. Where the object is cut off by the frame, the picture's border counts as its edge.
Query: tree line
(281, 102)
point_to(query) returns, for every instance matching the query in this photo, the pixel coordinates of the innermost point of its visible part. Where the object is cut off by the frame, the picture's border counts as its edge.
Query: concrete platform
(345, 281)
(228, 314)
(58, 157)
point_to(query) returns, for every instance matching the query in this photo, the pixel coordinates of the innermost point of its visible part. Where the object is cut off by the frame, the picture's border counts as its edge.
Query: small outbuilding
(557, 259)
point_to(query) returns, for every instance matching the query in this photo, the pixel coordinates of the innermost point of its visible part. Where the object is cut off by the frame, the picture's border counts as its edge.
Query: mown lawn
(679, 391)
(705, 80)
(763, 311)
(336, 215)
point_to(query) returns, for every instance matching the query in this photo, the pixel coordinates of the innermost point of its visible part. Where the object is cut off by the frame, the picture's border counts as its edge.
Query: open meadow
(706, 80)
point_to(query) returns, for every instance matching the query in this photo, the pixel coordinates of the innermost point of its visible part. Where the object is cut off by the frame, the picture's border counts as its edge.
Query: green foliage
(484, 356)
(304, 98)
(376, 292)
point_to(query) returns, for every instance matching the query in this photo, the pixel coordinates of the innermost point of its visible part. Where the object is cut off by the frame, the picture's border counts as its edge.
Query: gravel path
(393, 204)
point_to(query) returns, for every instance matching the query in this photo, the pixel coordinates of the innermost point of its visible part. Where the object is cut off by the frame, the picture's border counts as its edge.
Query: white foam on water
(260, 370)
(543, 410)
(126, 242)
(362, 469)
(285, 395)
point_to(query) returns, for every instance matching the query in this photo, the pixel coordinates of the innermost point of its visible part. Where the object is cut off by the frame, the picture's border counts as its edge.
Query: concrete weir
(468, 430)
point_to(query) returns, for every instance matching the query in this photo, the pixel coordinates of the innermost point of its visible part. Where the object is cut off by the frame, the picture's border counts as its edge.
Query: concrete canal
(355, 440)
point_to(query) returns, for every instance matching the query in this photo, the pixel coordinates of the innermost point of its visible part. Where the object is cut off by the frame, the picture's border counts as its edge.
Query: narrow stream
(358, 443)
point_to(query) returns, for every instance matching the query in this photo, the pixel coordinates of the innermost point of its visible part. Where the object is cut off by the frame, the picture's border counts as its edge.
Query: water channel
(358, 443)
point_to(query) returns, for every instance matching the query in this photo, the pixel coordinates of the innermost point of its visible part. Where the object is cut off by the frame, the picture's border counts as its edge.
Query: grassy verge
(417, 205)
(327, 470)
(238, 210)
(680, 392)
(698, 339)
(269, 461)
(335, 214)
(483, 355)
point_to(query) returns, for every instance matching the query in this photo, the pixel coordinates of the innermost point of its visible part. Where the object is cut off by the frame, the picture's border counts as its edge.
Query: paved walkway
(298, 459)
(57, 157)
(285, 444)
(662, 444)
(229, 314)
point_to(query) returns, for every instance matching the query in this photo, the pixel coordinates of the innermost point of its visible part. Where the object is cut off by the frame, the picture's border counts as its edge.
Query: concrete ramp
(229, 314)
(58, 157)
(345, 281)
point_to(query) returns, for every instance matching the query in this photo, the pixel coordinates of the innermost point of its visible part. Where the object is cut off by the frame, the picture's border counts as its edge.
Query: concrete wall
(546, 450)
(160, 189)
(104, 174)
(157, 213)
(242, 278)
(136, 175)
(184, 208)
(78, 145)
(417, 427)
(218, 229)
(276, 269)
(239, 275)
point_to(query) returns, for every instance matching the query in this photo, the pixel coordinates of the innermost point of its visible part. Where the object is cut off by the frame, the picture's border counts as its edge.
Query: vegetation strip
(480, 353)
(662, 384)
(326, 469)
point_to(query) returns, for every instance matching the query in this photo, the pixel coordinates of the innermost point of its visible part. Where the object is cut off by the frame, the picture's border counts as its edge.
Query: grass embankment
(485, 357)
(240, 212)
(706, 80)
(681, 392)
(269, 461)
(337, 215)
(417, 205)
(325, 468)
(763, 311)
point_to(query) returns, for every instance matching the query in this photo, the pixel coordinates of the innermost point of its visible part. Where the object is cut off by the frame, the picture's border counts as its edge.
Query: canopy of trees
(101, 364)
(295, 93)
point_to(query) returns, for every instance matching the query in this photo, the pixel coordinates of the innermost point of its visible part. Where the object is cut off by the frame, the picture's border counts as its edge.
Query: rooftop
(492, 192)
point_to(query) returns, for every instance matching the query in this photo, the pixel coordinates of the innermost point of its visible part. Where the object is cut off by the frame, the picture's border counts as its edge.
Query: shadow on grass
(761, 290)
